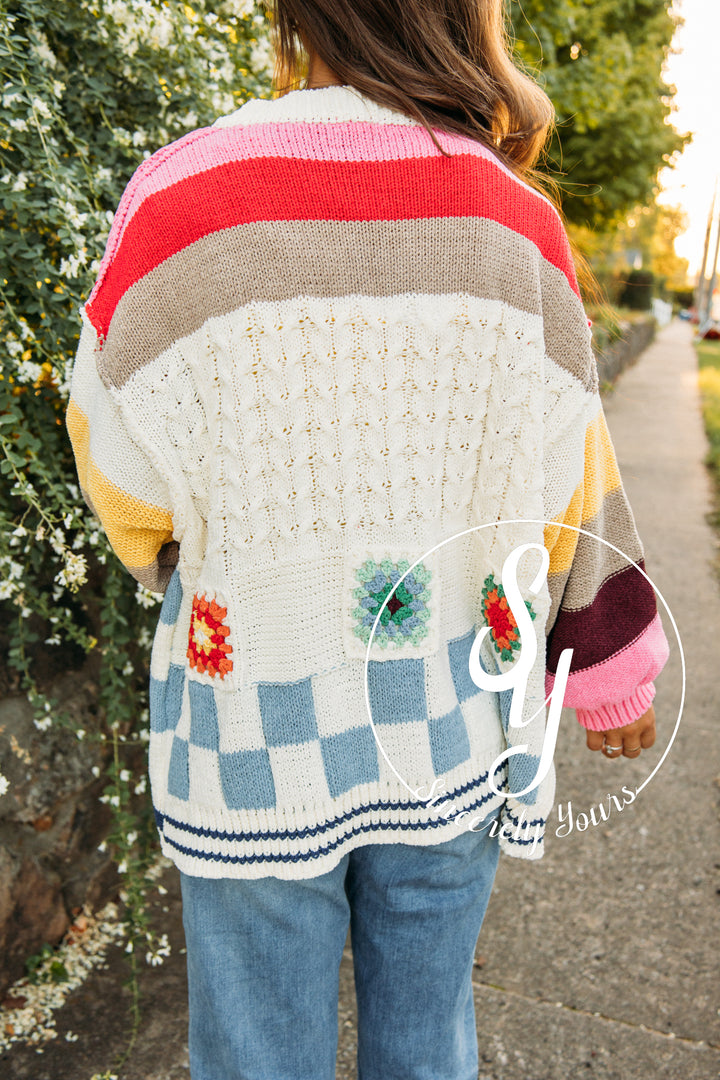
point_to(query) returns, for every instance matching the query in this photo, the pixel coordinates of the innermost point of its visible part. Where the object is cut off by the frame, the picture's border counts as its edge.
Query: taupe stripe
(567, 338)
(156, 577)
(594, 563)
(89, 502)
(277, 260)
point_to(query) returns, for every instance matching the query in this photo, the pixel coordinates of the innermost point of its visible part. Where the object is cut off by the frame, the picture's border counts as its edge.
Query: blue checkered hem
(204, 851)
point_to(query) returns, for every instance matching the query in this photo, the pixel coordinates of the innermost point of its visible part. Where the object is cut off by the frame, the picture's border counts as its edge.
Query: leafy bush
(89, 88)
(638, 291)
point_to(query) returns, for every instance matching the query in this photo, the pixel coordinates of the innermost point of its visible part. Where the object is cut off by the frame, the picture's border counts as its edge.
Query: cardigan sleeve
(118, 481)
(602, 606)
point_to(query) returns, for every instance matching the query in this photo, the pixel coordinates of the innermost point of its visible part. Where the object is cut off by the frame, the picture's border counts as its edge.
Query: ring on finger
(611, 749)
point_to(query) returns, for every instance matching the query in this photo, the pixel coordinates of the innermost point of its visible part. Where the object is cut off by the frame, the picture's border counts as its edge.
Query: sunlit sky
(694, 71)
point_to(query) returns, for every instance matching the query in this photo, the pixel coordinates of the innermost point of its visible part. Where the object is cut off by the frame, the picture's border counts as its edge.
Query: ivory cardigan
(320, 363)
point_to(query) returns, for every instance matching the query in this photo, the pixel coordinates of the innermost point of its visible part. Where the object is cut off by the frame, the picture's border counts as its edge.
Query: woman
(335, 397)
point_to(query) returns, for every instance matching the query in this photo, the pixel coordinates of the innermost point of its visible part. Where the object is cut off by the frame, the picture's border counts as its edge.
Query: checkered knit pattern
(328, 380)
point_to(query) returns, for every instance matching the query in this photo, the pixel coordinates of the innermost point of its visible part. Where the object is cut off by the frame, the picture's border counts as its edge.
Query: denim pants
(263, 959)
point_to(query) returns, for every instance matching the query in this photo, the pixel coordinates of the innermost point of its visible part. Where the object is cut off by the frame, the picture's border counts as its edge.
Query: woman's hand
(640, 735)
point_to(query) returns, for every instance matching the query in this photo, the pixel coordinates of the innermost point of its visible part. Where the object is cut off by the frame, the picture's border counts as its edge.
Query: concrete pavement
(614, 972)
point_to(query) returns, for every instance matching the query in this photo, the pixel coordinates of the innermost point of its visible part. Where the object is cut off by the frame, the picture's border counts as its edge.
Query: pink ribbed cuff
(618, 713)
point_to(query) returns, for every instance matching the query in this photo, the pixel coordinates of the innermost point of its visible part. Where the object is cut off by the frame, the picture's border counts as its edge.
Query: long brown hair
(446, 63)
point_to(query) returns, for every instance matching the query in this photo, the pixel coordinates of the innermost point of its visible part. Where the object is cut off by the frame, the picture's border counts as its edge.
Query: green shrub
(89, 88)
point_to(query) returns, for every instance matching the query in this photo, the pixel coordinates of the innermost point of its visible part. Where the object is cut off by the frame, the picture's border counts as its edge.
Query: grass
(709, 379)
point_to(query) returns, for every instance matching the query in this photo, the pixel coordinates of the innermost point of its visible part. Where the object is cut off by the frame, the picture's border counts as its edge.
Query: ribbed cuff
(618, 713)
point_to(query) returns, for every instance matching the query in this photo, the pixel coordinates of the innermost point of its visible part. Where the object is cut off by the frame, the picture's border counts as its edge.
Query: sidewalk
(613, 971)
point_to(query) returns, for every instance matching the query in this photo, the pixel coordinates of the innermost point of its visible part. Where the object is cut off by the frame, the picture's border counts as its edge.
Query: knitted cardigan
(328, 380)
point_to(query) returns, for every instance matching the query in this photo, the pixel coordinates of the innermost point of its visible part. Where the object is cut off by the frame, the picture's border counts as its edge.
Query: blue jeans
(263, 959)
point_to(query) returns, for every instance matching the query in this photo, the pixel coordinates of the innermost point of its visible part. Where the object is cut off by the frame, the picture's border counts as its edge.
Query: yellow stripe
(601, 477)
(136, 529)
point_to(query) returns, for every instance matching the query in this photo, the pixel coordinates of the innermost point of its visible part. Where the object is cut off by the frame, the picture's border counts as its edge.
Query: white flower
(262, 56)
(80, 733)
(70, 266)
(145, 598)
(74, 573)
(41, 107)
(28, 371)
(13, 346)
(241, 8)
(95, 770)
(128, 669)
(122, 867)
(17, 124)
(7, 588)
(141, 786)
(124, 775)
(43, 51)
(158, 955)
(4, 784)
(57, 541)
(162, 31)
(20, 182)
(44, 724)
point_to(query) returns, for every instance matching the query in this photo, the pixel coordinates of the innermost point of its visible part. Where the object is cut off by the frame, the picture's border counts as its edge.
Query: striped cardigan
(328, 380)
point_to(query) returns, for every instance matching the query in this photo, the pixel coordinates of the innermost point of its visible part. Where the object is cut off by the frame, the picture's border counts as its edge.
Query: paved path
(612, 972)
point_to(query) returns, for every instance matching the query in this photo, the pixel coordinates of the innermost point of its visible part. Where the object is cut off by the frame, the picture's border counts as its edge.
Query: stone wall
(50, 824)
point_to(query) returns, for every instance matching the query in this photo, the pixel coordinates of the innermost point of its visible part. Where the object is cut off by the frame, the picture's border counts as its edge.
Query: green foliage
(639, 290)
(600, 63)
(41, 967)
(88, 89)
(709, 381)
(709, 365)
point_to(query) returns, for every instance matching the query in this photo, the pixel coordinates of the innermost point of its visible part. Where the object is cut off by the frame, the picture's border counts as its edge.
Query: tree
(600, 63)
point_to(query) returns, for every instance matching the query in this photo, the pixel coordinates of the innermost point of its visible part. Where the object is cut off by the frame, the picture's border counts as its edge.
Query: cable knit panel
(328, 380)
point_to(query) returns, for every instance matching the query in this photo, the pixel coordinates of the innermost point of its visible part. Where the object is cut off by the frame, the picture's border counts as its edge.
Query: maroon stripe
(624, 605)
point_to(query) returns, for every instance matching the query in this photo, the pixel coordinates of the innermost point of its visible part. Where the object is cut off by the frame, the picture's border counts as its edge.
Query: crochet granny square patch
(404, 602)
(504, 632)
(208, 647)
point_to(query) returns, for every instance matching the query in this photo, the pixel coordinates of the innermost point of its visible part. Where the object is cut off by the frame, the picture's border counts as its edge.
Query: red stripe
(291, 189)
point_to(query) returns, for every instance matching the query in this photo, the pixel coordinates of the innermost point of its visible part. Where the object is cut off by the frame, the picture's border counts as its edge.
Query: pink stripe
(619, 690)
(351, 140)
(132, 198)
